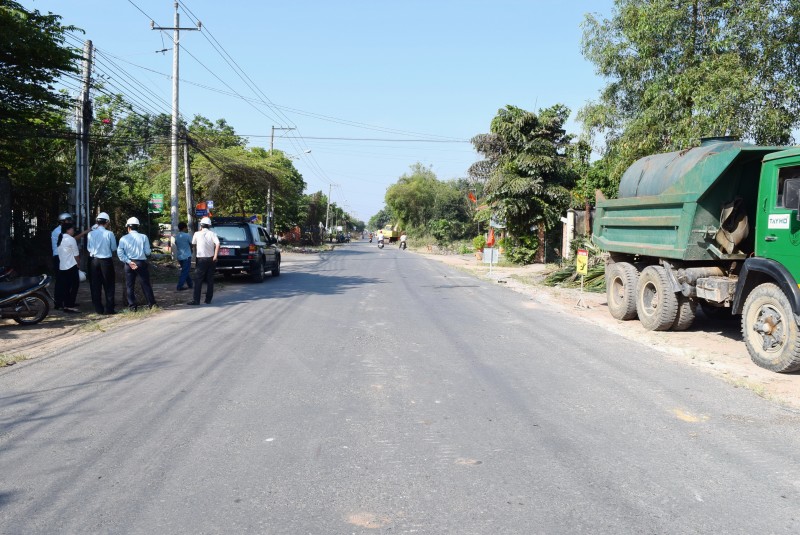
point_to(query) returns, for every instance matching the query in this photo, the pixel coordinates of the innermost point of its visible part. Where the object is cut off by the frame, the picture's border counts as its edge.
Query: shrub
(479, 242)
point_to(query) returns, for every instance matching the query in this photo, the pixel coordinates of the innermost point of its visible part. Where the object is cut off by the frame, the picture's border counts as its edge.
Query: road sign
(156, 203)
(210, 205)
(201, 210)
(582, 262)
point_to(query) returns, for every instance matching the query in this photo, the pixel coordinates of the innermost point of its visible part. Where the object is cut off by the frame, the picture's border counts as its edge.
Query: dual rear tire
(649, 295)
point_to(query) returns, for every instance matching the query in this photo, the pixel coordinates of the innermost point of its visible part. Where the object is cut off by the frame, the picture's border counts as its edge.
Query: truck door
(778, 231)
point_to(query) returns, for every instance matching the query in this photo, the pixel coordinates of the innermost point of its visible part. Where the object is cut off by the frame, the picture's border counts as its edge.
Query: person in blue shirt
(183, 248)
(133, 250)
(101, 245)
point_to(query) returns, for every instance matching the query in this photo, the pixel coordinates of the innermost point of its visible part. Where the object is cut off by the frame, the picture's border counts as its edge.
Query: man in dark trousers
(101, 246)
(206, 245)
(133, 250)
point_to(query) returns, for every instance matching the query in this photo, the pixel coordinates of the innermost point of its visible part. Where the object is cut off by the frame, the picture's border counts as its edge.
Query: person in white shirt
(133, 250)
(206, 245)
(102, 244)
(55, 235)
(68, 278)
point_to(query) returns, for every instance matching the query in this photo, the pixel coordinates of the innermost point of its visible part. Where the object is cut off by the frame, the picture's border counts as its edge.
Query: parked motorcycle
(26, 300)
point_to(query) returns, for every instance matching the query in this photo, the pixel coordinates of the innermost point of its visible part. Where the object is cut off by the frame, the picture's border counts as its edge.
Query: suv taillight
(252, 249)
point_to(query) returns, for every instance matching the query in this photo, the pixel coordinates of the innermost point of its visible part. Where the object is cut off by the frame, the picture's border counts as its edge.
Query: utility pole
(176, 32)
(272, 136)
(187, 179)
(270, 204)
(83, 122)
(328, 208)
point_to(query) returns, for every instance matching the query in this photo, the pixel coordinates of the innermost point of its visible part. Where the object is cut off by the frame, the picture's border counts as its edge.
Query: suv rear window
(231, 233)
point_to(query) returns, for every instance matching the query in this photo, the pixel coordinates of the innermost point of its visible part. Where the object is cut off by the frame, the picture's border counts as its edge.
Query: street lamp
(296, 156)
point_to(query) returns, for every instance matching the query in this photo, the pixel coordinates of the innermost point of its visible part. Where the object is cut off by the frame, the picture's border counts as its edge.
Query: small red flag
(490, 241)
(472, 197)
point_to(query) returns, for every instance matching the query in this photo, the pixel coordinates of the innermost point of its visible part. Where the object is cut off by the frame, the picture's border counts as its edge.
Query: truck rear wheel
(770, 330)
(687, 309)
(621, 278)
(656, 303)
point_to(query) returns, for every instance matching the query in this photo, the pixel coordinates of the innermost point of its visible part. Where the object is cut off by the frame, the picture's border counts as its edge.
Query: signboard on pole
(582, 262)
(201, 210)
(156, 203)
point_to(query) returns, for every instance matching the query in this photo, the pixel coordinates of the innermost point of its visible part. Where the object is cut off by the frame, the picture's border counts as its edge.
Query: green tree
(527, 172)
(679, 70)
(33, 55)
(381, 219)
(423, 203)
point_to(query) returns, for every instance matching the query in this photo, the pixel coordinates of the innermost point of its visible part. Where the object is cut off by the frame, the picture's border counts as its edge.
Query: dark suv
(245, 247)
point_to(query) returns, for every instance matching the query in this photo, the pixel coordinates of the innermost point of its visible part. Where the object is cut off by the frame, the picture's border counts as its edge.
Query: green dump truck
(715, 226)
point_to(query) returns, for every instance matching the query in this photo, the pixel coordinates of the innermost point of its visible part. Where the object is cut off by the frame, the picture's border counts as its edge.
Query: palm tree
(525, 170)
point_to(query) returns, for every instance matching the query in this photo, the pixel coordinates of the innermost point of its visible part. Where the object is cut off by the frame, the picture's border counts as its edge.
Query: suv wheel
(258, 274)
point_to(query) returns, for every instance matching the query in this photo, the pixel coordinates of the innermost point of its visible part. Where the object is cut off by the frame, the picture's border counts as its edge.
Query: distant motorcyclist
(403, 240)
(380, 239)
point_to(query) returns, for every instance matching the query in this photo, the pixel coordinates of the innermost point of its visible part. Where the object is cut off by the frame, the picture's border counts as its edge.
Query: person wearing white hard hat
(68, 276)
(206, 245)
(101, 246)
(133, 250)
(64, 217)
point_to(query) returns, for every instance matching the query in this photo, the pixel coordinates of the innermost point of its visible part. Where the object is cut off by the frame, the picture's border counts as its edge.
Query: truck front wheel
(621, 281)
(656, 303)
(770, 330)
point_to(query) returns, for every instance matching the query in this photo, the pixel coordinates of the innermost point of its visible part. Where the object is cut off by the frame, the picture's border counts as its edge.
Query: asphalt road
(380, 392)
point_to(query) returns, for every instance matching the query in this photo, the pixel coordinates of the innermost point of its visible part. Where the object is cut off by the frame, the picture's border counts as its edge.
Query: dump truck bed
(670, 204)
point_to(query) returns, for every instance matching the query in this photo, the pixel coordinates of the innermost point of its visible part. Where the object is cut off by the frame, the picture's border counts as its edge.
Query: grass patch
(758, 389)
(10, 360)
(530, 280)
(92, 326)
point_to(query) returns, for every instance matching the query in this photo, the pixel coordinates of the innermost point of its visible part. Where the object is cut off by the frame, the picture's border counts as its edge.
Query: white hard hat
(205, 221)
(102, 216)
(64, 216)
(132, 221)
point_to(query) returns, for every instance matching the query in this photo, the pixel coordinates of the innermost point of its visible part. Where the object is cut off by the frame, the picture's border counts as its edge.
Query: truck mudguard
(775, 271)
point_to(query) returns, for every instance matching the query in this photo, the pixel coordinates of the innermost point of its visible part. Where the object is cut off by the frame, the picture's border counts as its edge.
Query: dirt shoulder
(711, 345)
(61, 330)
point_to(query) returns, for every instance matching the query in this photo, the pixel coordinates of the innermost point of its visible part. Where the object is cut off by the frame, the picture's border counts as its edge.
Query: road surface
(375, 391)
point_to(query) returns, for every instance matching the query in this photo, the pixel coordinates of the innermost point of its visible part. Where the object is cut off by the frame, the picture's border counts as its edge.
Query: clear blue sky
(385, 69)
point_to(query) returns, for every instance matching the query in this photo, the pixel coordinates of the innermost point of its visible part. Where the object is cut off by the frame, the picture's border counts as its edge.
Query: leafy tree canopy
(527, 172)
(679, 70)
(33, 56)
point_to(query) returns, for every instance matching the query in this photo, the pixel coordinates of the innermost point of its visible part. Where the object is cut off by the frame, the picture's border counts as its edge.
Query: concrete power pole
(176, 46)
(187, 178)
(328, 208)
(82, 127)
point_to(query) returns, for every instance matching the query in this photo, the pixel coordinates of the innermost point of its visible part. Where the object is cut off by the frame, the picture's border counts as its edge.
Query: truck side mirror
(791, 195)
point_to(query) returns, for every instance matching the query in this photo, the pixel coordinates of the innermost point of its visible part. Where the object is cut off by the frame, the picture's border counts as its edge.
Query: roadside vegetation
(675, 72)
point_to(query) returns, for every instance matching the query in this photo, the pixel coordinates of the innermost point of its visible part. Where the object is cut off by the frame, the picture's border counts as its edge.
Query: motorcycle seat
(18, 285)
